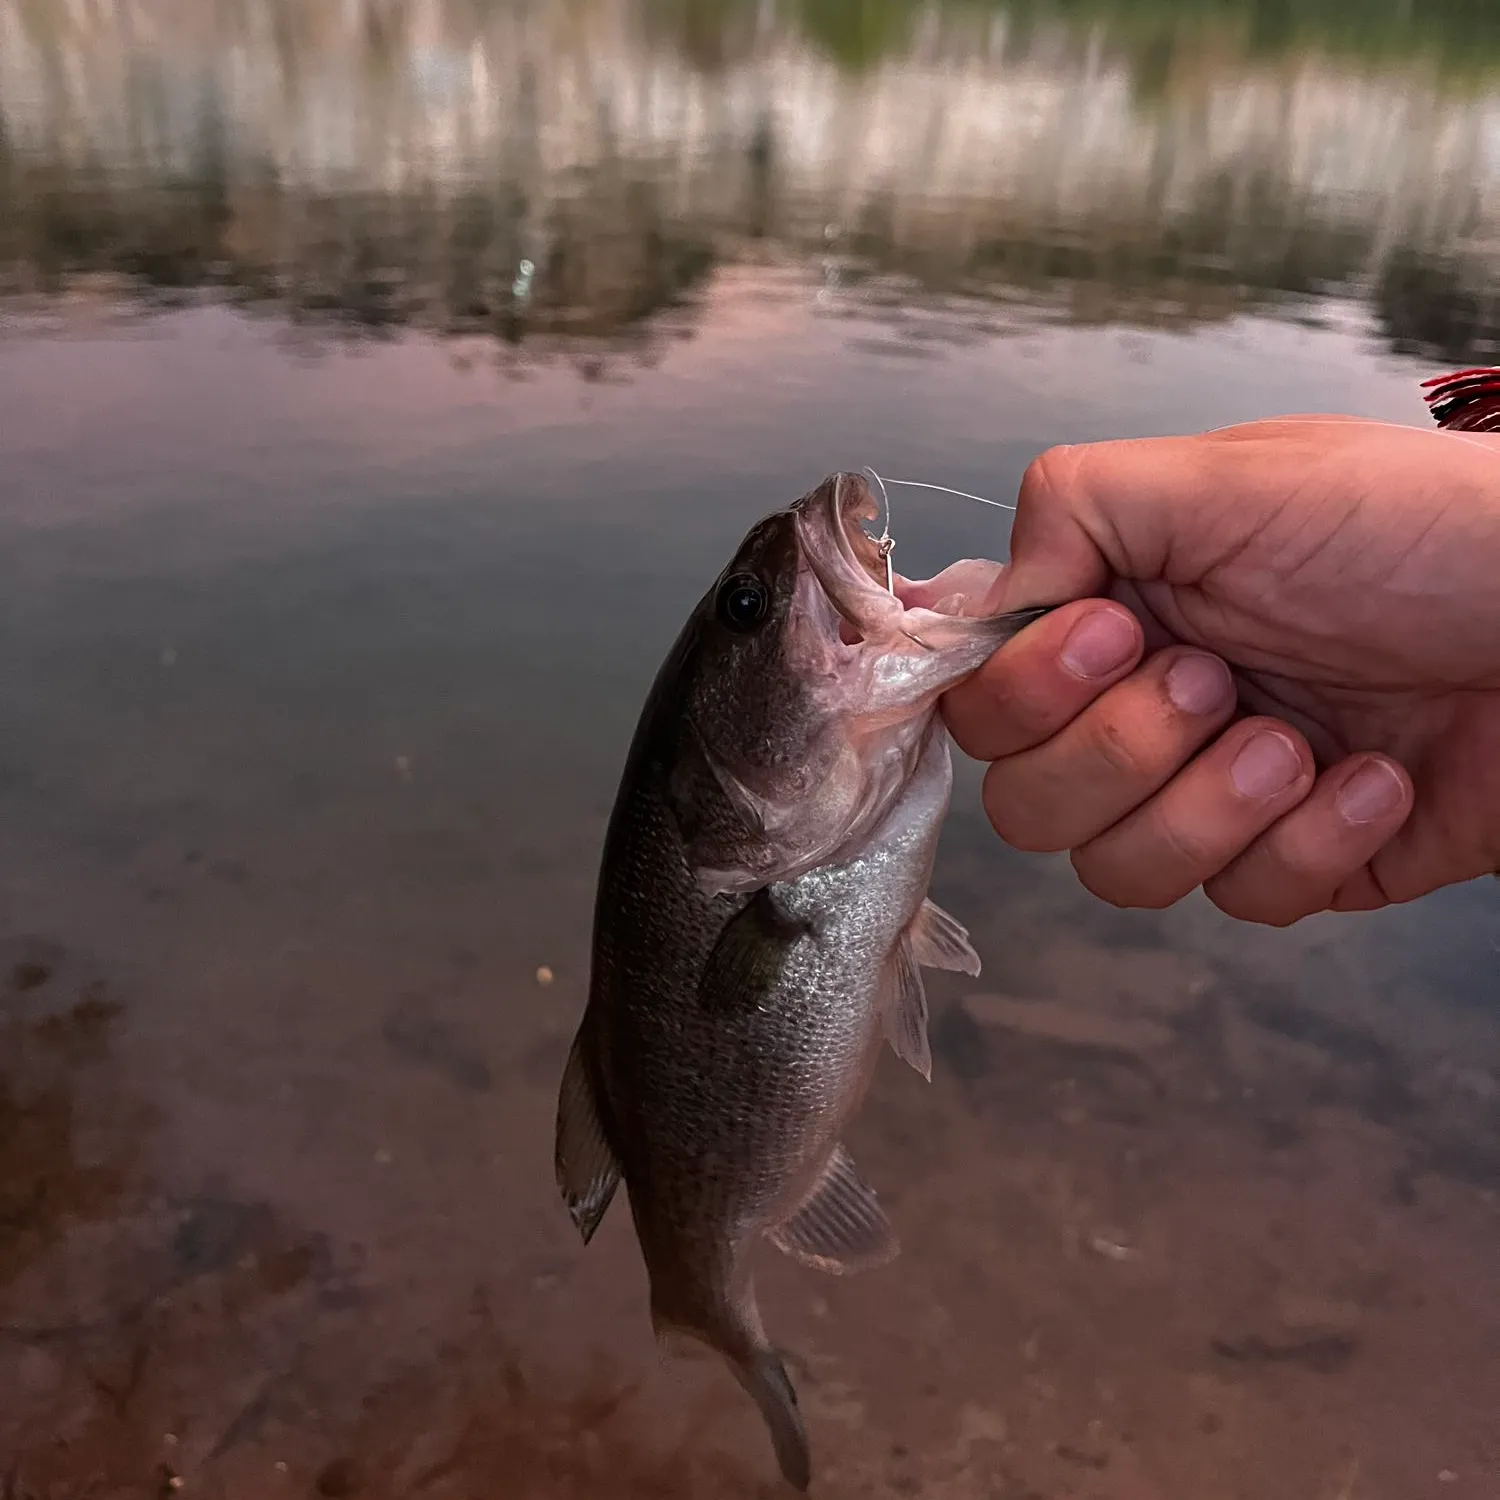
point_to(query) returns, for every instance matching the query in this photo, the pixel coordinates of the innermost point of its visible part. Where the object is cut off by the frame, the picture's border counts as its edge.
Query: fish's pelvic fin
(840, 1227)
(765, 1378)
(588, 1172)
(903, 999)
(934, 940)
(940, 941)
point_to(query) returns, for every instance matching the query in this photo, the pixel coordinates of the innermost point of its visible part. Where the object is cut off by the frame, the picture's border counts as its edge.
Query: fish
(761, 923)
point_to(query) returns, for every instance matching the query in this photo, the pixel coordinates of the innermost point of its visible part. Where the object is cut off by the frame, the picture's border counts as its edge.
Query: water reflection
(545, 175)
(315, 675)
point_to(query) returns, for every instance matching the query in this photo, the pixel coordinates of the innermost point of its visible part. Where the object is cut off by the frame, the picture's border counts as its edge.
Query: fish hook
(885, 541)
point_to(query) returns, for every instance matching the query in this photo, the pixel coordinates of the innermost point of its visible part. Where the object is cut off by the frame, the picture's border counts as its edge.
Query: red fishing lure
(1468, 401)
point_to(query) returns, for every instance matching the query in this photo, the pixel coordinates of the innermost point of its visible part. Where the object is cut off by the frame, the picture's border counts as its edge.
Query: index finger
(1043, 678)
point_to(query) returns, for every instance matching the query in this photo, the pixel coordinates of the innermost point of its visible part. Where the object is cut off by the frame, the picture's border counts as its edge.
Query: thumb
(1093, 513)
(1141, 509)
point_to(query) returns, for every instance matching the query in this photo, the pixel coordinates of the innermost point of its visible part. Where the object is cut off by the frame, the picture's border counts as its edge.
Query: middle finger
(1118, 752)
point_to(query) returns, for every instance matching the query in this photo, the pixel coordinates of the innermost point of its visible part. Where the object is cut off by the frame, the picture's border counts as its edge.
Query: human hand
(1299, 709)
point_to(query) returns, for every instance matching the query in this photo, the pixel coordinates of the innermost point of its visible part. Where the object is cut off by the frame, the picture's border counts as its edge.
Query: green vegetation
(1461, 36)
(1458, 34)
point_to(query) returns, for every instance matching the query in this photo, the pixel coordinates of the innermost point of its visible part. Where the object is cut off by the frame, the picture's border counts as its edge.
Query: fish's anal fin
(940, 941)
(840, 1227)
(903, 999)
(588, 1172)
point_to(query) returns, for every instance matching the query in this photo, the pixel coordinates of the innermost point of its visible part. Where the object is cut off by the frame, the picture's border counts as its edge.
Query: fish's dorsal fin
(588, 1171)
(941, 941)
(840, 1227)
(903, 1001)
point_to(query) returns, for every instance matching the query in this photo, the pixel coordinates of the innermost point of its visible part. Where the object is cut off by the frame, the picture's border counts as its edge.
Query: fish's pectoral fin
(903, 999)
(750, 953)
(840, 1227)
(588, 1171)
(940, 941)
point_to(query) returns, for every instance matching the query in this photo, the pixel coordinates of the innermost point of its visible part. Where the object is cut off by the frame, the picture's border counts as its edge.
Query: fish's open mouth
(847, 561)
(851, 568)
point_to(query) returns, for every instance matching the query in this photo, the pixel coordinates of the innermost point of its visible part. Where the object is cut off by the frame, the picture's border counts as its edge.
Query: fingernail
(1098, 644)
(1372, 792)
(1198, 684)
(1267, 763)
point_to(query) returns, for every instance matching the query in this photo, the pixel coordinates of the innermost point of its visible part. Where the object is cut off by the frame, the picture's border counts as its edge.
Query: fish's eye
(744, 601)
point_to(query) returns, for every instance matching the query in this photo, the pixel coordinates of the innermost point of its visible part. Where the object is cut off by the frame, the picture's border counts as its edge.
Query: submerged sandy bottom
(1164, 1235)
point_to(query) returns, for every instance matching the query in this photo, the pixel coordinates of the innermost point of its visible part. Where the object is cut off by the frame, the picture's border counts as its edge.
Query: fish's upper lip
(847, 560)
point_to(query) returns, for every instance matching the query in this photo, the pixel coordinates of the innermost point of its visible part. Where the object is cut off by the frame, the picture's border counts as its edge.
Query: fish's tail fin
(764, 1377)
(758, 1368)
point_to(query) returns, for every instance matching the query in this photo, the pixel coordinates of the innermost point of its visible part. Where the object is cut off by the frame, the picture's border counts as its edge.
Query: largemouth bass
(761, 925)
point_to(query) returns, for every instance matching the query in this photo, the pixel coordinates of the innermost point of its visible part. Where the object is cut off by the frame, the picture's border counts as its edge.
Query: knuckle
(1112, 740)
(1284, 876)
(1192, 850)
(1041, 480)
(1095, 881)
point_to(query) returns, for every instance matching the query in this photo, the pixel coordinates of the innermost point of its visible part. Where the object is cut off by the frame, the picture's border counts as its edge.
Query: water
(380, 385)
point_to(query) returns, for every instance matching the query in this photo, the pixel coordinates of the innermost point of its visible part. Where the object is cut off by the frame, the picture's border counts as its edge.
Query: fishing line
(886, 542)
(919, 484)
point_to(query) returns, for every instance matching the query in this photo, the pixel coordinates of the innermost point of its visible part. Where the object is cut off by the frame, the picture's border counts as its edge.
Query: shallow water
(337, 548)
